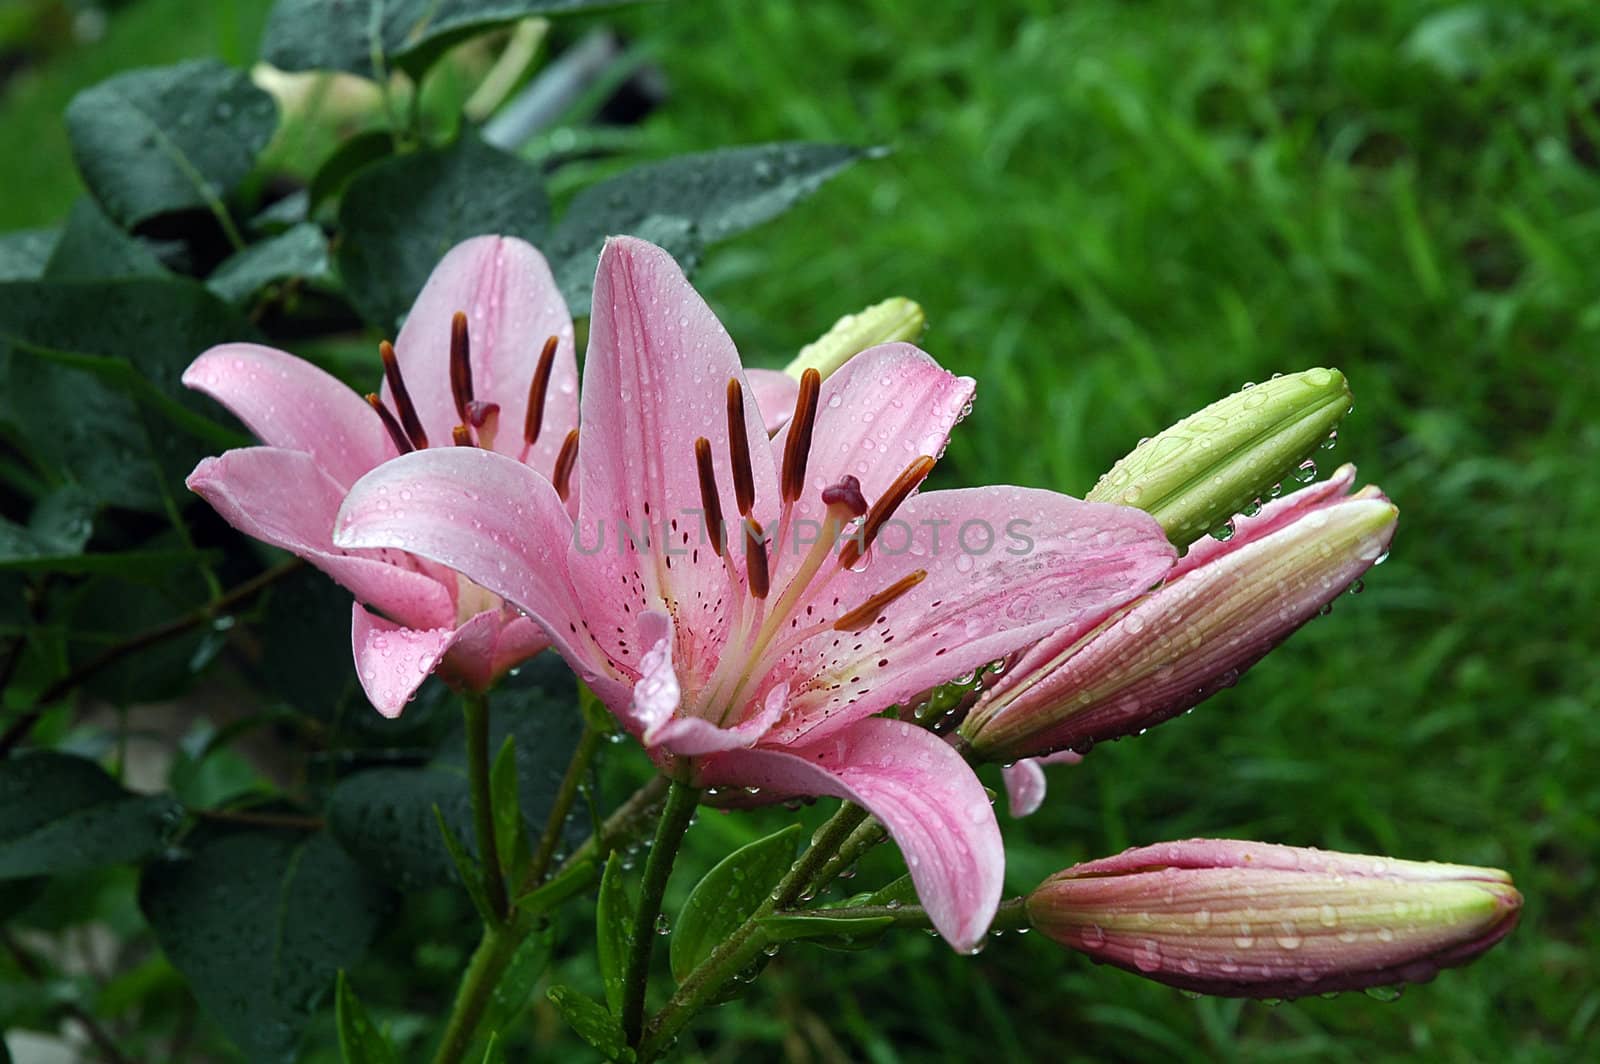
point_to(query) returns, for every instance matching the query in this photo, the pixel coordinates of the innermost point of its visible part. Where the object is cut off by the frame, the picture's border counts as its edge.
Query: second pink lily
(758, 652)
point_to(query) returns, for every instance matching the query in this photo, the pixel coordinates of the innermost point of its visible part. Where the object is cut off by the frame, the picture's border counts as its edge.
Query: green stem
(741, 948)
(675, 817)
(475, 706)
(866, 836)
(1011, 915)
(566, 794)
(489, 962)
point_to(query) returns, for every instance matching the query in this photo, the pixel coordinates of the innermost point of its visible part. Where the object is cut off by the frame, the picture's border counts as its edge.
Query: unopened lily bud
(1211, 465)
(1250, 919)
(1221, 609)
(892, 320)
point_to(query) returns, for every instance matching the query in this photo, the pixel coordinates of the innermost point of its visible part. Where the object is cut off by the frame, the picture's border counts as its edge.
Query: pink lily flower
(759, 656)
(485, 358)
(1222, 608)
(1251, 919)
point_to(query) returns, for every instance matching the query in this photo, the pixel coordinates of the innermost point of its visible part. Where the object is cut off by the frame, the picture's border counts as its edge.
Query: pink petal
(392, 660)
(512, 304)
(516, 641)
(285, 498)
(491, 519)
(1005, 567)
(694, 736)
(775, 393)
(1025, 781)
(656, 695)
(655, 379)
(919, 788)
(290, 403)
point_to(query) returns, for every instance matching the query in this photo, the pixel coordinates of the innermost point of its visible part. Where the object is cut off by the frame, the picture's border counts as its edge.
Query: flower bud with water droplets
(893, 320)
(1220, 610)
(1251, 919)
(1209, 466)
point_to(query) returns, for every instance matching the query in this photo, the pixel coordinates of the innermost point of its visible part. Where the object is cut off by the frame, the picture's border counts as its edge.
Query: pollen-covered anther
(710, 501)
(797, 448)
(907, 482)
(460, 364)
(863, 615)
(396, 433)
(744, 480)
(462, 436)
(537, 390)
(755, 558)
(561, 476)
(403, 406)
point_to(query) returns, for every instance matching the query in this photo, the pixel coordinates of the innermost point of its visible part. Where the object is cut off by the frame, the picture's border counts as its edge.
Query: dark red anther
(537, 391)
(710, 501)
(402, 398)
(797, 448)
(460, 364)
(561, 476)
(863, 615)
(744, 481)
(396, 433)
(755, 559)
(911, 476)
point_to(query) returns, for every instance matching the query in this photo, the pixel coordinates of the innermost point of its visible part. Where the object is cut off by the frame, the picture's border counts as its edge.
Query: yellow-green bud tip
(896, 319)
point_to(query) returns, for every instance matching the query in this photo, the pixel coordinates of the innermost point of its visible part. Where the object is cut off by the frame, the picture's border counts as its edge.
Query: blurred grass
(1113, 214)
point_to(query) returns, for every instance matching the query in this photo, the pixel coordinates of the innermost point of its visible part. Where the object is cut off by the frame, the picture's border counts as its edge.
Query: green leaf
(360, 1042)
(298, 252)
(347, 160)
(399, 217)
(259, 923)
(61, 524)
(899, 892)
(727, 896)
(688, 203)
(514, 992)
(510, 834)
(60, 813)
(468, 872)
(168, 138)
(24, 253)
(613, 928)
(592, 1022)
(93, 247)
(547, 896)
(367, 37)
(832, 932)
(384, 816)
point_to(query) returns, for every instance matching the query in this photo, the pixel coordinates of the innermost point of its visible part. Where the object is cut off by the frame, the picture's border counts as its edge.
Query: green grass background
(1114, 213)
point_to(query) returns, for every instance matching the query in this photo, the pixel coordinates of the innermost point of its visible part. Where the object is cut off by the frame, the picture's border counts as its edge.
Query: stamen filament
(908, 480)
(561, 477)
(402, 398)
(396, 433)
(865, 614)
(460, 364)
(537, 391)
(710, 501)
(744, 481)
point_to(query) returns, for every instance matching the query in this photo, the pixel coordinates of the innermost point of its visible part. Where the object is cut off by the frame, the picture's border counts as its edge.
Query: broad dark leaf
(727, 895)
(94, 248)
(259, 923)
(24, 253)
(299, 252)
(400, 216)
(60, 813)
(339, 168)
(168, 138)
(367, 37)
(688, 203)
(59, 527)
(385, 816)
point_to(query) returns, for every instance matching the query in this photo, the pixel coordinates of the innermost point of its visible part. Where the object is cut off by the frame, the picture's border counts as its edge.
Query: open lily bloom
(486, 357)
(758, 653)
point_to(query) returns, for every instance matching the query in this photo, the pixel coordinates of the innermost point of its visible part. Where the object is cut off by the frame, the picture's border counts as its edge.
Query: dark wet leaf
(168, 138)
(299, 252)
(60, 813)
(24, 253)
(688, 203)
(400, 216)
(592, 1022)
(92, 248)
(259, 923)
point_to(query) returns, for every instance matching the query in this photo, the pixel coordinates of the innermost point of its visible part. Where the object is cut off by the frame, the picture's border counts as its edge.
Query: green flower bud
(1213, 464)
(892, 320)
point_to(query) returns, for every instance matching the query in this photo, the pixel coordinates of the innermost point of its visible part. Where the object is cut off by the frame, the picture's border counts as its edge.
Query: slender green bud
(892, 320)
(1211, 465)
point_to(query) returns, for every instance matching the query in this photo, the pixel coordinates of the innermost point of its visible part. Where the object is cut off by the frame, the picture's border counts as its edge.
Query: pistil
(883, 509)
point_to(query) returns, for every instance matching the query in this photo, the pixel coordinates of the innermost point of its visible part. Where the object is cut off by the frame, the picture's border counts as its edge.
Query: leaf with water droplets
(60, 813)
(592, 1022)
(300, 252)
(830, 932)
(613, 920)
(165, 139)
(688, 203)
(727, 895)
(259, 922)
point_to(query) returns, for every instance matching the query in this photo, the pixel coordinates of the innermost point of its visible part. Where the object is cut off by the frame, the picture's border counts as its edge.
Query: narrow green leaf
(727, 896)
(613, 928)
(168, 138)
(510, 836)
(899, 892)
(259, 923)
(820, 929)
(514, 992)
(592, 1022)
(467, 870)
(60, 813)
(688, 203)
(298, 252)
(400, 216)
(360, 1042)
(547, 896)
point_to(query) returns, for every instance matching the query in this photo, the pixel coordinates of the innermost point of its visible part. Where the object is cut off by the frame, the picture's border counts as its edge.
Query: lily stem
(475, 706)
(675, 817)
(561, 808)
(490, 960)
